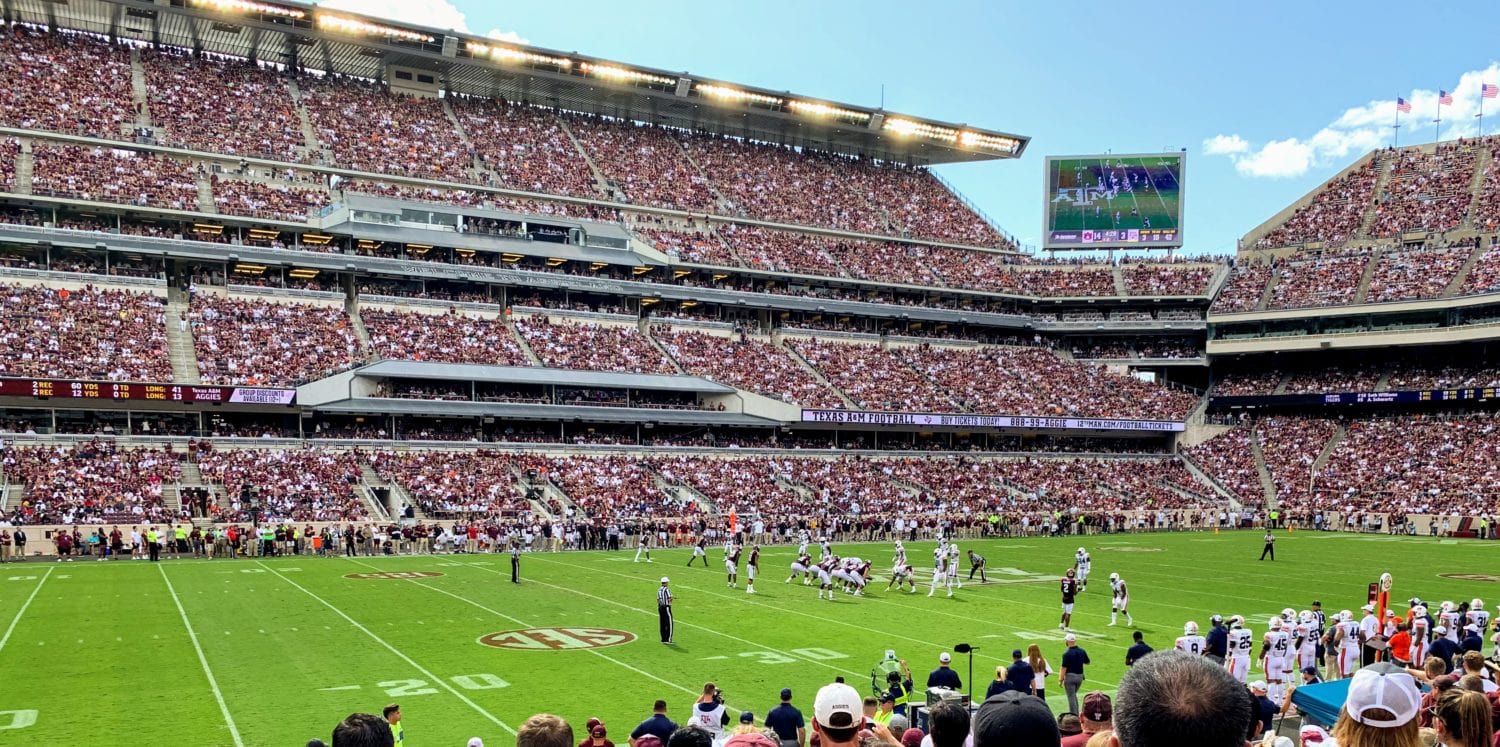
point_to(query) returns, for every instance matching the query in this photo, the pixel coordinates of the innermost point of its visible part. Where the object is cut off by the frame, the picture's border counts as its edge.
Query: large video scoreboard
(126, 391)
(1113, 201)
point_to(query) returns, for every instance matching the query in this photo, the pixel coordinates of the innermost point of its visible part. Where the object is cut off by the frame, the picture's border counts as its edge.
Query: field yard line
(439, 681)
(213, 684)
(525, 624)
(678, 622)
(16, 621)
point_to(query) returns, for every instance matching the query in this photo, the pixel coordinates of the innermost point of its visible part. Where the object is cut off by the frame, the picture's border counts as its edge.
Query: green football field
(1128, 209)
(277, 652)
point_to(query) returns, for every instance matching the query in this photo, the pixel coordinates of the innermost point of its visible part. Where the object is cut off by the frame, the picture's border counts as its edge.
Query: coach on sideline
(664, 610)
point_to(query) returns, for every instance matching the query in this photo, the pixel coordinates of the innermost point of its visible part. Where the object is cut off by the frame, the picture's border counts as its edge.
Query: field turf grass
(1160, 205)
(277, 652)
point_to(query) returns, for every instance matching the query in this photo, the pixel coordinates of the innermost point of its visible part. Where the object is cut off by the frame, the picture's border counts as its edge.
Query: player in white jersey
(1121, 600)
(1478, 616)
(643, 545)
(732, 563)
(953, 578)
(900, 556)
(901, 573)
(939, 573)
(1346, 640)
(1190, 642)
(825, 550)
(1305, 640)
(1237, 653)
(802, 540)
(1275, 657)
(1421, 637)
(1082, 563)
(825, 580)
(1450, 619)
(803, 565)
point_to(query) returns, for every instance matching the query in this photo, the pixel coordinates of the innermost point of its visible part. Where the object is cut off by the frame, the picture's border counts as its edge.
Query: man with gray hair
(1171, 698)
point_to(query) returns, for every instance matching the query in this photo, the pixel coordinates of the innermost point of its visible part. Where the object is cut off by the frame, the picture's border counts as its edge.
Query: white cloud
(1224, 145)
(437, 14)
(1358, 130)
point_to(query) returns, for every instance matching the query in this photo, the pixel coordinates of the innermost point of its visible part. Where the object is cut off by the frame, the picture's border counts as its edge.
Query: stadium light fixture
(344, 24)
(735, 95)
(815, 109)
(907, 127)
(971, 139)
(516, 56)
(247, 6)
(623, 75)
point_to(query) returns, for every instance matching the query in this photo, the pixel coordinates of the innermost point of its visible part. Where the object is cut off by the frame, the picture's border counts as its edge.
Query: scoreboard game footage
(1113, 201)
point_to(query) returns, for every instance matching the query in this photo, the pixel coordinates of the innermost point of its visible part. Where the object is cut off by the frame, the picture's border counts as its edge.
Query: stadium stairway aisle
(180, 342)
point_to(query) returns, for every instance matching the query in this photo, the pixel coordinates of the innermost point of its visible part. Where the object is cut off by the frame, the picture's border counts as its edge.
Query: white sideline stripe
(525, 624)
(772, 607)
(17, 620)
(430, 676)
(213, 684)
(689, 625)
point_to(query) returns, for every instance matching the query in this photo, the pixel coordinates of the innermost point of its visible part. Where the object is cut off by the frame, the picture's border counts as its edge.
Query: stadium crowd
(448, 338)
(234, 107)
(592, 347)
(279, 485)
(747, 363)
(95, 482)
(86, 333)
(114, 175)
(253, 342)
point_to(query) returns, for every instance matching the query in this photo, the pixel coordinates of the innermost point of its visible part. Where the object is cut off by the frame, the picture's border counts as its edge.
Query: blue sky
(1269, 99)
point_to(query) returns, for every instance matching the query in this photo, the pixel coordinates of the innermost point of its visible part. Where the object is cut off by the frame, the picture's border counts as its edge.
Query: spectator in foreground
(836, 715)
(544, 730)
(1463, 720)
(1097, 717)
(658, 725)
(1171, 698)
(393, 717)
(688, 736)
(947, 726)
(1069, 724)
(1014, 719)
(1381, 710)
(363, 730)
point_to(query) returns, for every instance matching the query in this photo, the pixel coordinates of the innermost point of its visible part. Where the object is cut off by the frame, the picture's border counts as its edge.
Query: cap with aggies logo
(838, 706)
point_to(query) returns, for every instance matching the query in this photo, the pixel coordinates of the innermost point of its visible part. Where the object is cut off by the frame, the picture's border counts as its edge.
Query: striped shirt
(663, 597)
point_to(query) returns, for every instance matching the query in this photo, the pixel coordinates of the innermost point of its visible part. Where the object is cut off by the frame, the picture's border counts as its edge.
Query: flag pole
(1480, 115)
(1396, 128)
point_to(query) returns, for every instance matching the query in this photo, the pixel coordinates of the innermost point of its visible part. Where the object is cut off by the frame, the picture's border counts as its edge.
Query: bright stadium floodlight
(248, 6)
(815, 109)
(735, 95)
(971, 139)
(516, 56)
(908, 127)
(623, 75)
(344, 24)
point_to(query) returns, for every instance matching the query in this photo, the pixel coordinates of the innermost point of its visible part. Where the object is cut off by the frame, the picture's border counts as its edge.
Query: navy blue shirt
(659, 725)
(1267, 711)
(999, 686)
(1444, 649)
(786, 720)
(1074, 659)
(1218, 641)
(897, 692)
(1135, 653)
(1020, 675)
(1472, 642)
(944, 677)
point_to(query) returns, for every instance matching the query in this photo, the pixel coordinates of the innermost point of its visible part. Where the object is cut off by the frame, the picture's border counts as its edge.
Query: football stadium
(366, 384)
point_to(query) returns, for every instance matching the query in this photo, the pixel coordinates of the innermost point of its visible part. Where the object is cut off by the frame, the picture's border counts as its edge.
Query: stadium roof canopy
(283, 32)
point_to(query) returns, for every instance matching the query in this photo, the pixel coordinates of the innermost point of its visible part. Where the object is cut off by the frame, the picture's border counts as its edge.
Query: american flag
(1403, 106)
(1488, 90)
(1445, 98)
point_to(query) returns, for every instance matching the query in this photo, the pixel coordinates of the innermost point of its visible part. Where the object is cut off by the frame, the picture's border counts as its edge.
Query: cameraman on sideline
(709, 713)
(898, 682)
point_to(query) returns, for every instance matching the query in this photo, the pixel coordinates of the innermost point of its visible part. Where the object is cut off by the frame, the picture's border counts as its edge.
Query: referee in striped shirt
(664, 610)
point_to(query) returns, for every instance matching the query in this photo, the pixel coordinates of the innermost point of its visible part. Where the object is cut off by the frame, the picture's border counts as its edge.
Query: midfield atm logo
(1084, 196)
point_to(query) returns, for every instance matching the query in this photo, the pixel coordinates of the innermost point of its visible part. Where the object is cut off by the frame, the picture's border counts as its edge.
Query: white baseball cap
(476, 742)
(1368, 608)
(838, 706)
(1070, 638)
(1258, 685)
(1387, 687)
(944, 657)
(1441, 630)
(664, 579)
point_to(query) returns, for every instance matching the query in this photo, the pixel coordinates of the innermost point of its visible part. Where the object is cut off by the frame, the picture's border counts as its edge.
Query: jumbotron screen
(1108, 201)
